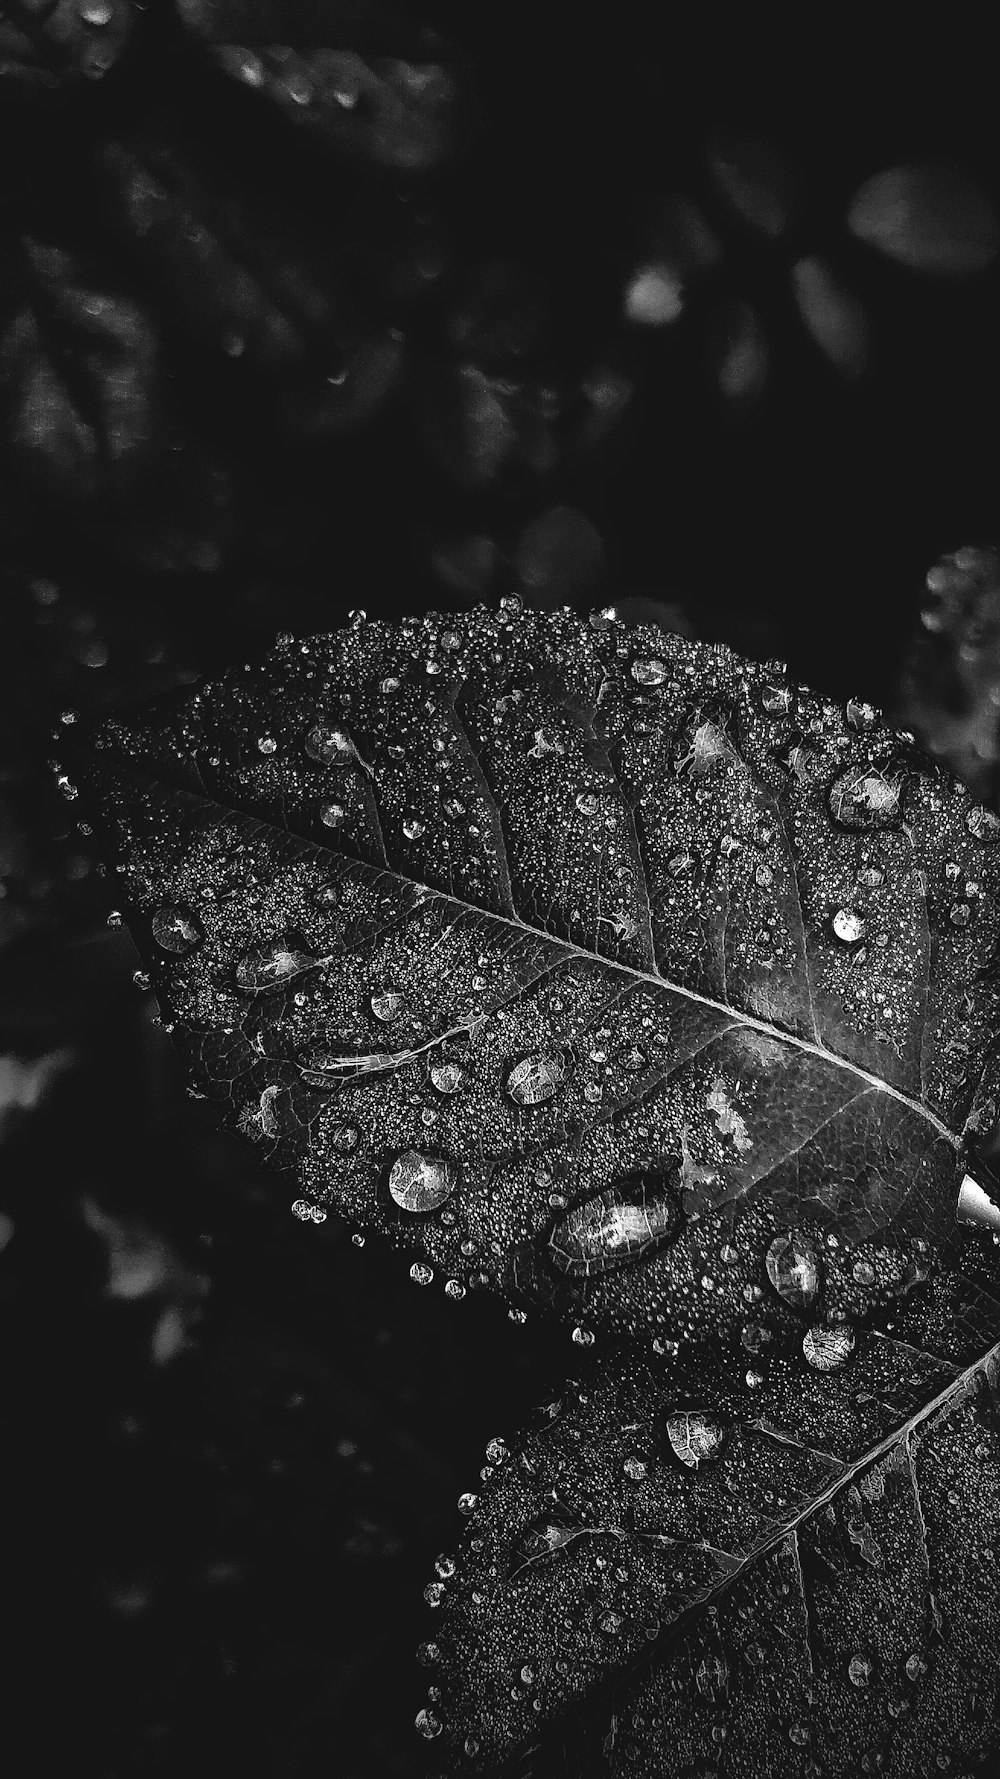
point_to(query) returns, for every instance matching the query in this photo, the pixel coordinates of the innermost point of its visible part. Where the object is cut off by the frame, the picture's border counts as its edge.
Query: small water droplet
(866, 797)
(428, 1725)
(915, 1666)
(582, 1337)
(332, 815)
(454, 808)
(175, 928)
(496, 1451)
(467, 1503)
(271, 965)
(697, 1435)
(848, 926)
(412, 825)
(267, 744)
(793, 1268)
(428, 1654)
(827, 1349)
(421, 1274)
(344, 1138)
(649, 673)
(863, 1272)
(634, 1469)
(682, 864)
(960, 914)
(535, 1078)
(588, 803)
(420, 1182)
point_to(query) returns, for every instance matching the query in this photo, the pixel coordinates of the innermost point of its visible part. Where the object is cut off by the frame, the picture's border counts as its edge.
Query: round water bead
(420, 1182)
(697, 1435)
(176, 929)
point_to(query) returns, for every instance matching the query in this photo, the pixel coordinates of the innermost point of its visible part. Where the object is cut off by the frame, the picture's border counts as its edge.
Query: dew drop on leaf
(428, 1725)
(419, 1182)
(696, 1435)
(915, 1666)
(827, 1349)
(329, 747)
(712, 1678)
(983, 824)
(388, 1005)
(588, 804)
(865, 797)
(332, 815)
(175, 929)
(649, 673)
(535, 1078)
(412, 825)
(793, 1268)
(859, 1670)
(448, 1077)
(271, 965)
(848, 926)
(614, 1228)
(344, 1138)
(421, 1274)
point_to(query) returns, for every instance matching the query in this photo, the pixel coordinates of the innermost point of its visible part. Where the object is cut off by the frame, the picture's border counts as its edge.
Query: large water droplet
(848, 926)
(615, 1227)
(428, 1725)
(387, 1005)
(827, 1349)
(420, 1182)
(983, 824)
(793, 1269)
(448, 1077)
(332, 815)
(859, 1670)
(649, 673)
(535, 1078)
(697, 1435)
(176, 929)
(867, 797)
(271, 965)
(329, 747)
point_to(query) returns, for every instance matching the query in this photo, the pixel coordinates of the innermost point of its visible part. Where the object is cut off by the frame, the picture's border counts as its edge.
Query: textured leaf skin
(593, 862)
(852, 1518)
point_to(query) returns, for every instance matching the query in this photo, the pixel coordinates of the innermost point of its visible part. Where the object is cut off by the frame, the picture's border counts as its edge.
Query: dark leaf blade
(62, 43)
(805, 1576)
(659, 953)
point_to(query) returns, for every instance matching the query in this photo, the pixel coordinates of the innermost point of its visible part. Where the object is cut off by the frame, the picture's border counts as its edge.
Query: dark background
(235, 1441)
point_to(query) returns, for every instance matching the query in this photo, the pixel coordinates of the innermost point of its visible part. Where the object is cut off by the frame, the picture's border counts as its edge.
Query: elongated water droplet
(697, 1435)
(272, 964)
(793, 1269)
(615, 1228)
(827, 1349)
(176, 929)
(420, 1182)
(859, 1670)
(535, 1078)
(867, 797)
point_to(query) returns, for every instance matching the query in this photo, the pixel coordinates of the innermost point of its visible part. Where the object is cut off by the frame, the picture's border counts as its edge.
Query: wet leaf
(928, 216)
(683, 938)
(798, 1569)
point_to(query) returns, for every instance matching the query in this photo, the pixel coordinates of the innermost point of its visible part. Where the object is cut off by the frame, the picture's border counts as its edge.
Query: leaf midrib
(735, 1015)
